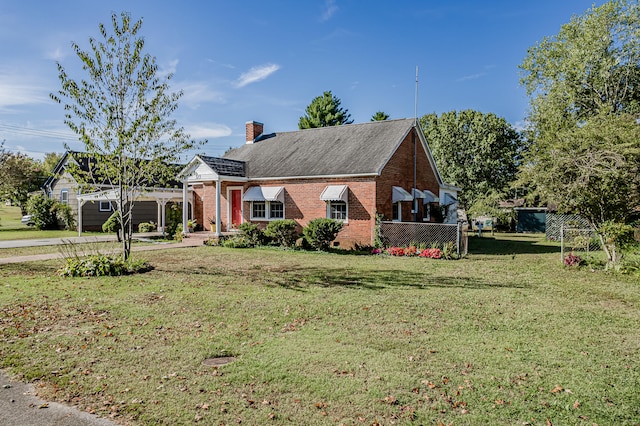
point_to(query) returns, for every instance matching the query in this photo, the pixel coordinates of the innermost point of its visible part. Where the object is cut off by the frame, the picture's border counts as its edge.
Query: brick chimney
(254, 129)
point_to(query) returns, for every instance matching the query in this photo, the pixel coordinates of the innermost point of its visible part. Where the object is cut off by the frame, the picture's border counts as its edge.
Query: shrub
(65, 215)
(112, 224)
(252, 234)
(284, 232)
(99, 265)
(146, 227)
(572, 260)
(43, 211)
(174, 218)
(237, 241)
(319, 233)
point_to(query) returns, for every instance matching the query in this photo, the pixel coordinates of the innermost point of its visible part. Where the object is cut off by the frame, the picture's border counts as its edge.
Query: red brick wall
(302, 203)
(399, 172)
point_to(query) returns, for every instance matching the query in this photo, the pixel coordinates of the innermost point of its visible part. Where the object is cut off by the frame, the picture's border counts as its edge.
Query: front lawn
(506, 336)
(11, 227)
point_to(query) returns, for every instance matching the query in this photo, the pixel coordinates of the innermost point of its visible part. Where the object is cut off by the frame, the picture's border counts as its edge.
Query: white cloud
(208, 130)
(14, 90)
(256, 74)
(330, 9)
(56, 54)
(197, 92)
(170, 69)
(472, 76)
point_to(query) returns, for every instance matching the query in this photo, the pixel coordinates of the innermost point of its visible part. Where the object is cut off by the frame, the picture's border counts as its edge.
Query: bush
(65, 215)
(252, 234)
(237, 241)
(43, 211)
(321, 232)
(174, 218)
(112, 224)
(99, 265)
(572, 260)
(284, 232)
(146, 227)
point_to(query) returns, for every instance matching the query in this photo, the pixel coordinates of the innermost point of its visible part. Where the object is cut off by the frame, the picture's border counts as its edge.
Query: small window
(258, 210)
(105, 206)
(337, 210)
(64, 196)
(276, 210)
(397, 212)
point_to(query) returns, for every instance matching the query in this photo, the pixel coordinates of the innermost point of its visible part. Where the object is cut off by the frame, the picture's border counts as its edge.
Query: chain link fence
(403, 234)
(582, 240)
(556, 222)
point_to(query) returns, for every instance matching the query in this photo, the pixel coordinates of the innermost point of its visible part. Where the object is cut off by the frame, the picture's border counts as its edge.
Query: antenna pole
(416, 105)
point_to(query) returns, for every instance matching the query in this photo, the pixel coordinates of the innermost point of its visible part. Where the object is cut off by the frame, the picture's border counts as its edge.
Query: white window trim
(64, 200)
(103, 209)
(399, 219)
(346, 203)
(267, 211)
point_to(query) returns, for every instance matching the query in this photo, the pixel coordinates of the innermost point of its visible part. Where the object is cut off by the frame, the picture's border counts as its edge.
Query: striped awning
(399, 194)
(430, 197)
(264, 193)
(335, 193)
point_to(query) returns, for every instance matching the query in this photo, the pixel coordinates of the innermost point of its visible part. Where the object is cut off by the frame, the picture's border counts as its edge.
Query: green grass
(11, 227)
(507, 336)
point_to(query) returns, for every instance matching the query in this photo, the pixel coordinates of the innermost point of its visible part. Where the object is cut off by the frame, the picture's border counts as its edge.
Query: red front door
(236, 207)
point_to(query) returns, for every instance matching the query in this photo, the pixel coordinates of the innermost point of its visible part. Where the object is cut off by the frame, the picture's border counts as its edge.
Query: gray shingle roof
(350, 149)
(225, 166)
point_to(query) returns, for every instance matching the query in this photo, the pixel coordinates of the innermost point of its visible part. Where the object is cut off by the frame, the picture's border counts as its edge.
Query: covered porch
(162, 196)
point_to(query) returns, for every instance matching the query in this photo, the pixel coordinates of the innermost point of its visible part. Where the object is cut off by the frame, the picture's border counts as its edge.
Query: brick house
(349, 173)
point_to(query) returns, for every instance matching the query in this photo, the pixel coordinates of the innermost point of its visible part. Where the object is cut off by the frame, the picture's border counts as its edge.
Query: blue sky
(265, 60)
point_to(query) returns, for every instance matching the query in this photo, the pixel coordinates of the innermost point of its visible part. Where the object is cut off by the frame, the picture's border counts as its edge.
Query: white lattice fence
(402, 234)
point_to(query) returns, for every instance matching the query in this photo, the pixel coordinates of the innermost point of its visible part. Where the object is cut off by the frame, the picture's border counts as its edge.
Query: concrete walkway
(20, 406)
(193, 240)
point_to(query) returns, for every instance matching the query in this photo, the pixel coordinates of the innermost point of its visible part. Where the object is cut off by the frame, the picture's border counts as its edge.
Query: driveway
(20, 406)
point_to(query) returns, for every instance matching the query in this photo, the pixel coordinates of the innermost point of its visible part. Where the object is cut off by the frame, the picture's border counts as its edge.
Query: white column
(80, 203)
(185, 207)
(159, 209)
(163, 215)
(218, 209)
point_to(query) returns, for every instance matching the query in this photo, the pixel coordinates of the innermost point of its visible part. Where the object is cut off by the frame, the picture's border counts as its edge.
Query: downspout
(218, 210)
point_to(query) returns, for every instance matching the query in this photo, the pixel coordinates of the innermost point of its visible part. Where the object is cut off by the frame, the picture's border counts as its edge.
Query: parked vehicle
(27, 220)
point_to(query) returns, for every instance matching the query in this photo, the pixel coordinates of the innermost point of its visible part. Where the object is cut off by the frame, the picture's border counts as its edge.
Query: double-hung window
(64, 196)
(267, 202)
(337, 210)
(337, 199)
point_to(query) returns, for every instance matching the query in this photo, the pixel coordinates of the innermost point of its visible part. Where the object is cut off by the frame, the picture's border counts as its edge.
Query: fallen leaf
(557, 389)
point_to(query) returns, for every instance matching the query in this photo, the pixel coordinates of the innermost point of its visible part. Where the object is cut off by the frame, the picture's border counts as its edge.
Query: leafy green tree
(122, 114)
(324, 111)
(590, 67)
(584, 89)
(380, 116)
(51, 160)
(19, 176)
(475, 151)
(592, 170)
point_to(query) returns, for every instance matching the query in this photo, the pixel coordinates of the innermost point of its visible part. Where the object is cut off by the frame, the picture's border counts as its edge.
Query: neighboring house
(349, 173)
(97, 203)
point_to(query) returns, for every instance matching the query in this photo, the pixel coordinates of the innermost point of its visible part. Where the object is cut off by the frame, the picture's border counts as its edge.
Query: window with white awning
(267, 202)
(337, 199)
